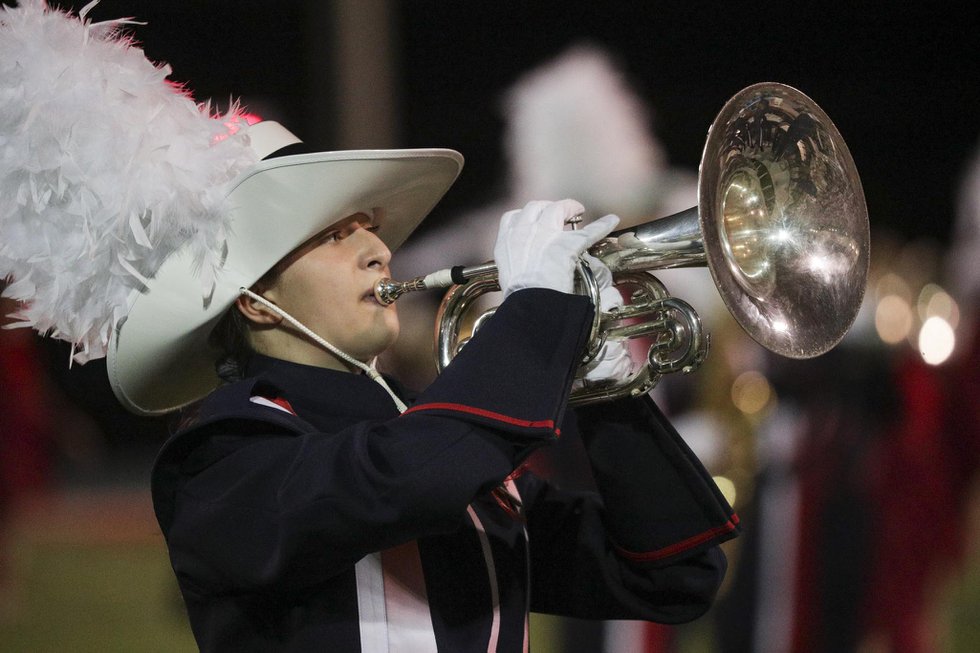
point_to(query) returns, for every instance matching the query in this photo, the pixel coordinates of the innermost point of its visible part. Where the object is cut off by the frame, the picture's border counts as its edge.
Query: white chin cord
(368, 369)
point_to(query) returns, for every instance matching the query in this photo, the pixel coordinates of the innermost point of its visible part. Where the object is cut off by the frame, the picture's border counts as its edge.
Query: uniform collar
(317, 393)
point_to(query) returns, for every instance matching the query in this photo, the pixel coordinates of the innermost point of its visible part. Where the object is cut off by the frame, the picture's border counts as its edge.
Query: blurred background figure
(25, 443)
(960, 416)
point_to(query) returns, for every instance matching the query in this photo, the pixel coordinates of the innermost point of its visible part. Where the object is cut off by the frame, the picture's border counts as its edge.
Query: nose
(375, 254)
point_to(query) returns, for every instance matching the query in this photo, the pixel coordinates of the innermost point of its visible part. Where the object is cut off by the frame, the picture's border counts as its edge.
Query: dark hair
(231, 339)
(230, 336)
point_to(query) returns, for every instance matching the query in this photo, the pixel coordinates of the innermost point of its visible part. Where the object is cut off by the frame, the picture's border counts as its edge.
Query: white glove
(533, 250)
(613, 362)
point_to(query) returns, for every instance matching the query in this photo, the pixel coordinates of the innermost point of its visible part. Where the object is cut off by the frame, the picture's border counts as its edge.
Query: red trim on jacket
(273, 402)
(279, 401)
(462, 408)
(683, 545)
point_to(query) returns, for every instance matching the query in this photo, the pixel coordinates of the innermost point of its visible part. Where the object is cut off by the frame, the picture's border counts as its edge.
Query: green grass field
(83, 597)
(87, 570)
(91, 575)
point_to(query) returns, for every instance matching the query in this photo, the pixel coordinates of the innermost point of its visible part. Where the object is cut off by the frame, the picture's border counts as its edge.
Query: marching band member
(309, 502)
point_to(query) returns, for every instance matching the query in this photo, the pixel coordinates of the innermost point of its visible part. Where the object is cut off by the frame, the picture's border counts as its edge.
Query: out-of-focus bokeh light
(893, 319)
(927, 319)
(892, 284)
(936, 340)
(894, 316)
(751, 392)
(936, 302)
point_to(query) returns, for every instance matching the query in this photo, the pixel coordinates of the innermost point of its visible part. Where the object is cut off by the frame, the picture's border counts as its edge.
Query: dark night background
(901, 84)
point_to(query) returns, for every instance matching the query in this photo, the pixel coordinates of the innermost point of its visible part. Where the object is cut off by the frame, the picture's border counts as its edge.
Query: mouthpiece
(387, 291)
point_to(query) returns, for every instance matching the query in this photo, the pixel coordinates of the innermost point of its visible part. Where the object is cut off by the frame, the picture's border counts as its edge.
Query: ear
(256, 312)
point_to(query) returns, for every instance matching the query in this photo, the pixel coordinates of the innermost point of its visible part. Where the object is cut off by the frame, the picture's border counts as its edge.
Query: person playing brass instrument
(310, 503)
(302, 504)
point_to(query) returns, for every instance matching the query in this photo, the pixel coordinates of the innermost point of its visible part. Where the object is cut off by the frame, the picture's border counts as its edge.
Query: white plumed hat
(105, 168)
(130, 216)
(577, 129)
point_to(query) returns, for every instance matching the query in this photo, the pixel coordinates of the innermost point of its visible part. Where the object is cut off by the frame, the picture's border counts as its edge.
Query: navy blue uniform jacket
(303, 513)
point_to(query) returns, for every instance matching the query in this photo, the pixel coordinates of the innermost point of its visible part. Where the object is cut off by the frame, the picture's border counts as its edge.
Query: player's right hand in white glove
(533, 249)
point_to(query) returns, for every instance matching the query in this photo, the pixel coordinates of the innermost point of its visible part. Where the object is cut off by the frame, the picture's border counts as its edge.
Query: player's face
(328, 285)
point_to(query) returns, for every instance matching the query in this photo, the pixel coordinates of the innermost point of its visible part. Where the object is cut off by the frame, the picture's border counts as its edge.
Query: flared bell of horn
(781, 222)
(784, 220)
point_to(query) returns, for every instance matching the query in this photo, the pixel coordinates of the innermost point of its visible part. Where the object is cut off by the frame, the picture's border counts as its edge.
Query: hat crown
(268, 137)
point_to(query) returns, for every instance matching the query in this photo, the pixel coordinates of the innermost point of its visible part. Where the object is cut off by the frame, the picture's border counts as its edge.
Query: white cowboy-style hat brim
(159, 359)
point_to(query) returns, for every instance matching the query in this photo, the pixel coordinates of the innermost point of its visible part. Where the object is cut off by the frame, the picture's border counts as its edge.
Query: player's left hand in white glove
(613, 362)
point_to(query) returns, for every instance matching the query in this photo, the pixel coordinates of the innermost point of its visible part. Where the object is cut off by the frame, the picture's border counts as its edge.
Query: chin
(384, 345)
(376, 342)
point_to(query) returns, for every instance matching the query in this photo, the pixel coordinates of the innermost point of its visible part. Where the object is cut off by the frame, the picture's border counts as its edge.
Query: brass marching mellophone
(781, 223)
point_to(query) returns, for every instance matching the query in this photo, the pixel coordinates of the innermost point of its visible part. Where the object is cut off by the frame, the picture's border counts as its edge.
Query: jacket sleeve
(250, 506)
(645, 546)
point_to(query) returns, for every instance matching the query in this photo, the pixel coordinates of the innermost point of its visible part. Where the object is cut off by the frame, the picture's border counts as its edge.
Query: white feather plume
(106, 168)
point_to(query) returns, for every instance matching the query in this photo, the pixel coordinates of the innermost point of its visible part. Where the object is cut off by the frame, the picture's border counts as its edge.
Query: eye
(331, 237)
